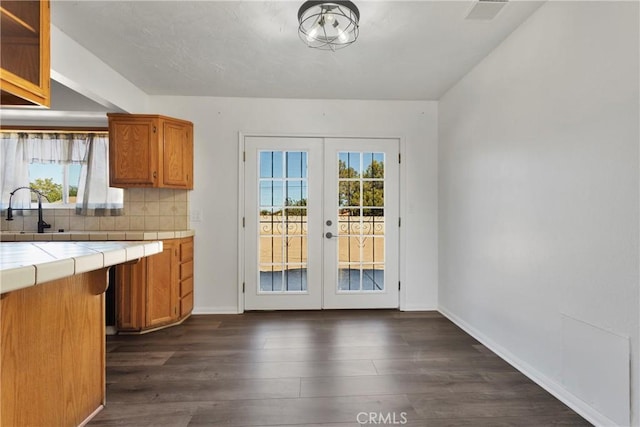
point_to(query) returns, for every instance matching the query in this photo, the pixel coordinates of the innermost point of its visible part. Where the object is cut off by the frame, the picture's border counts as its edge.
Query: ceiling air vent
(485, 10)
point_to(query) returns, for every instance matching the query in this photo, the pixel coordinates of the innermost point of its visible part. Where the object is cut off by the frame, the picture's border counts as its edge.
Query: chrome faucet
(41, 224)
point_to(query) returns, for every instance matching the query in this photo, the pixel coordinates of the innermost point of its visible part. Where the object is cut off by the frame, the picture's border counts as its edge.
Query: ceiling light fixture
(328, 25)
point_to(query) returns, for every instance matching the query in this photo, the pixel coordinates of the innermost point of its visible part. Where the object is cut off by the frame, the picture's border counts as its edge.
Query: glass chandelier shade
(328, 25)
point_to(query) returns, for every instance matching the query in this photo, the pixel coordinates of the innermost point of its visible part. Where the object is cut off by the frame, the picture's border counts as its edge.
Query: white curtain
(95, 197)
(15, 170)
(59, 148)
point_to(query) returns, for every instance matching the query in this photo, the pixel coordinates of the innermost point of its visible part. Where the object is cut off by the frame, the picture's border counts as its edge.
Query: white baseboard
(215, 310)
(419, 308)
(547, 383)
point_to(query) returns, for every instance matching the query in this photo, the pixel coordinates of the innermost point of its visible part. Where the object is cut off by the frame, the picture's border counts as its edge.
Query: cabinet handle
(154, 129)
(155, 174)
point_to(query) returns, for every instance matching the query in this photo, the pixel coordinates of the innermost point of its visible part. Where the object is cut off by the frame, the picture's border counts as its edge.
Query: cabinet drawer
(186, 270)
(186, 286)
(186, 305)
(186, 251)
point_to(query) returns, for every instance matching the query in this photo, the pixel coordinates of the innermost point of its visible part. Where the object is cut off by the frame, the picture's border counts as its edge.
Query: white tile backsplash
(107, 223)
(92, 223)
(151, 194)
(151, 222)
(61, 223)
(136, 223)
(122, 223)
(152, 208)
(145, 209)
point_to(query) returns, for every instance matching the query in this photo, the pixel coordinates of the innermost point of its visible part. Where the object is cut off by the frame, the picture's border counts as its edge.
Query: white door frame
(241, 204)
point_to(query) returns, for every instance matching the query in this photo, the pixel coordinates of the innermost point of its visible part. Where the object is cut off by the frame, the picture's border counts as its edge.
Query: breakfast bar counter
(52, 328)
(24, 264)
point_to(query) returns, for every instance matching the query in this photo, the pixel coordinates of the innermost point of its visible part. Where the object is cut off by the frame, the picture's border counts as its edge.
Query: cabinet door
(162, 282)
(133, 152)
(25, 52)
(131, 282)
(178, 155)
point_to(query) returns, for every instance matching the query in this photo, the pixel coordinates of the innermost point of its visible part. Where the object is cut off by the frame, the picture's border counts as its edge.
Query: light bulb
(343, 36)
(312, 34)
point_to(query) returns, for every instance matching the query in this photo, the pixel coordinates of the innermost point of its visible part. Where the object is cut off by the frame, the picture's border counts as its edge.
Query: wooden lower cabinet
(156, 291)
(186, 276)
(161, 305)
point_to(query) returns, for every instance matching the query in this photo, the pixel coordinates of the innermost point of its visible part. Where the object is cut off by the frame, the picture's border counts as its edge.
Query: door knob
(329, 235)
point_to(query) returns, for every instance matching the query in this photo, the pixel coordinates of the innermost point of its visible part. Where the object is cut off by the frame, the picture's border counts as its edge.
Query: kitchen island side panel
(52, 366)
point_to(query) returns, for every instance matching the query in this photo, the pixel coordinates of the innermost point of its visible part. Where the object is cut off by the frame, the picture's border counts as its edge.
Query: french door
(321, 223)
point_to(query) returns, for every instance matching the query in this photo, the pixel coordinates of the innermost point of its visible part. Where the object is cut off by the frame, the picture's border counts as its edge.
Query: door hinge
(244, 156)
(399, 222)
(242, 222)
(399, 285)
(243, 287)
(399, 158)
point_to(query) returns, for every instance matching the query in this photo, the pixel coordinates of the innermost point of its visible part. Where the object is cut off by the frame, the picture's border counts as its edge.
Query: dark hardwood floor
(325, 368)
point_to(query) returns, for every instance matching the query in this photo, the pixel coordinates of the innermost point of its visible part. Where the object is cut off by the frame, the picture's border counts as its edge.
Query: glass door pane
(361, 199)
(282, 208)
(361, 221)
(283, 187)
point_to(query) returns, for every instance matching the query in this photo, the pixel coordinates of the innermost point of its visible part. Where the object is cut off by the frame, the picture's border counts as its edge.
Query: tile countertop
(24, 264)
(68, 236)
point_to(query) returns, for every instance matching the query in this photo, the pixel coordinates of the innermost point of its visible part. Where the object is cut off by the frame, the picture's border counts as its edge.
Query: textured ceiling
(406, 50)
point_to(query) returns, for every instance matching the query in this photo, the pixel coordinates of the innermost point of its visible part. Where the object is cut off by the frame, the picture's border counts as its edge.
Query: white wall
(217, 122)
(78, 69)
(538, 203)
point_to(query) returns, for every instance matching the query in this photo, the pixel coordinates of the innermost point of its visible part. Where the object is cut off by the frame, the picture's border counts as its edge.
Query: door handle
(329, 235)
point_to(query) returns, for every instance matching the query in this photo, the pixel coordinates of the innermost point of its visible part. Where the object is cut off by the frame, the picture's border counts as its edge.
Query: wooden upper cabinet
(150, 151)
(25, 53)
(178, 155)
(133, 152)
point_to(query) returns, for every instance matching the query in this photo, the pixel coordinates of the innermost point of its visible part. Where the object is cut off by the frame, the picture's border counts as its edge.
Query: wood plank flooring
(319, 368)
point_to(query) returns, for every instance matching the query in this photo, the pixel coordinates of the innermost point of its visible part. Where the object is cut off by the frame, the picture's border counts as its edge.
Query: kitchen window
(71, 168)
(58, 182)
